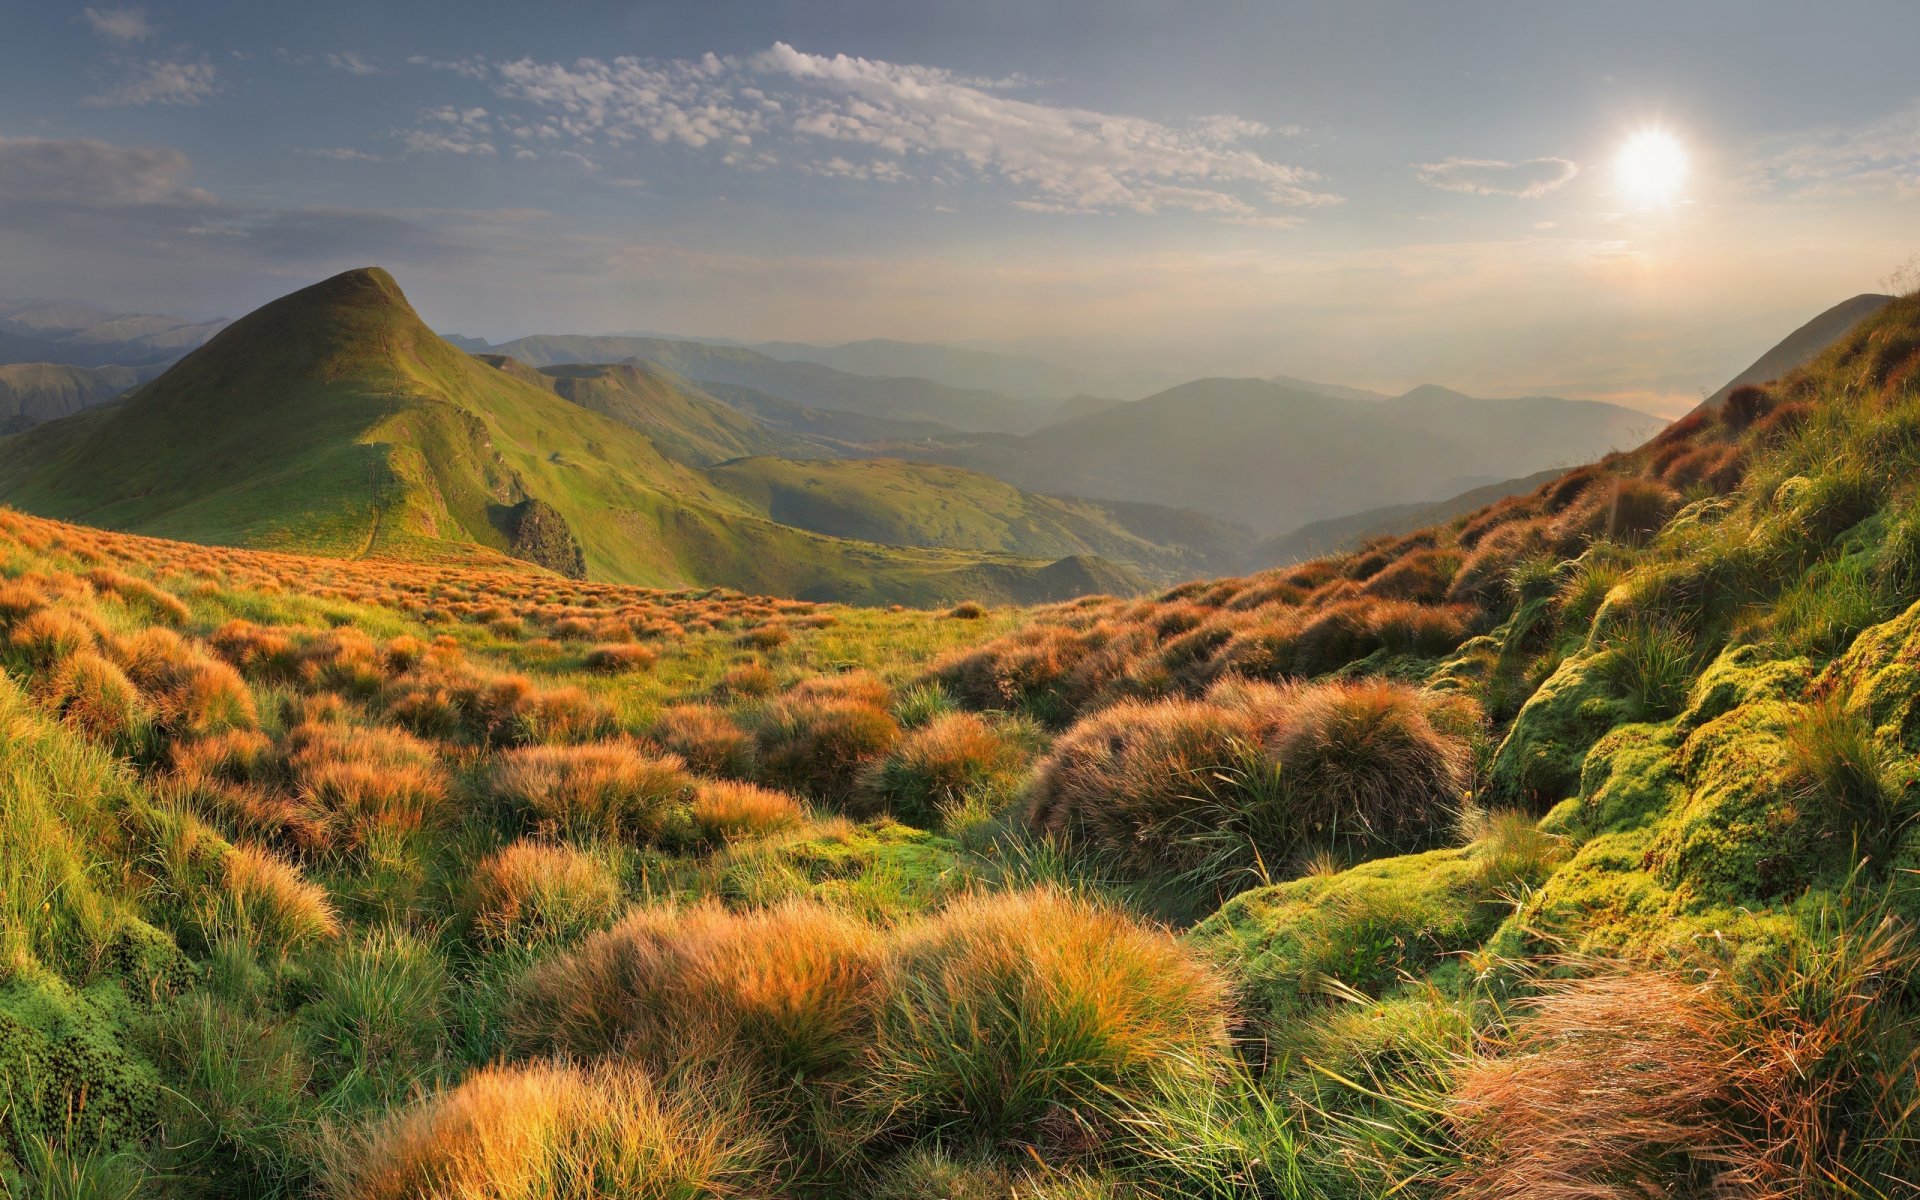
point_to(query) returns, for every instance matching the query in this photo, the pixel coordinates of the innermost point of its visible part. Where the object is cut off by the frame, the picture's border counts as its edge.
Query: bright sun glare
(1652, 167)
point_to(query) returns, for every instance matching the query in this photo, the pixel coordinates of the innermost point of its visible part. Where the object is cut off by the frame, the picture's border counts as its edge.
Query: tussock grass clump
(45, 637)
(193, 694)
(967, 610)
(1036, 1015)
(547, 1131)
(794, 989)
(1127, 778)
(95, 697)
(619, 658)
(1652, 665)
(1236, 786)
(818, 745)
(609, 789)
(936, 767)
(727, 810)
(1622, 509)
(362, 781)
(530, 890)
(1838, 769)
(1795, 1079)
(706, 738)
(748, 679)
(273, 905)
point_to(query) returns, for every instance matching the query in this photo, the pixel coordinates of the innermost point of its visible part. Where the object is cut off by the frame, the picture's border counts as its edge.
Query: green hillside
(34, 392)
(916, 504)
(334, 421)
(681, 421)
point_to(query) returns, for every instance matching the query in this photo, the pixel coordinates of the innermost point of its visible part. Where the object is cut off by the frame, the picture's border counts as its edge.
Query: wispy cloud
(159, 81)
(120, 24)
(1528, 180)
(352, 62)
(1880, 156)
(870, 119)
(91, 173)
(450, 130)
(339, 153)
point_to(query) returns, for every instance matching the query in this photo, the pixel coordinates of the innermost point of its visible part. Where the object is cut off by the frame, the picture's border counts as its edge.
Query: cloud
(450, 130)
(340, 154)
(353, 63)
(137, 201)
(1529, 180)
(869, 119)
(120, 24)
(1880, 156)
(159, 81)
(91, 174)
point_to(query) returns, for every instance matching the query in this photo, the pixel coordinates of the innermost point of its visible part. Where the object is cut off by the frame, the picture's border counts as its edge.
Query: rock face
(538, 533)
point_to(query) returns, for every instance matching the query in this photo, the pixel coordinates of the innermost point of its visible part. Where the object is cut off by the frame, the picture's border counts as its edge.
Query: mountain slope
(1335, 534)
(899, 399)
(1804, 344)
(918, 504)
(1274, 457)
(333, 420)
(684, 423)
(34, 392)
(1020, 376)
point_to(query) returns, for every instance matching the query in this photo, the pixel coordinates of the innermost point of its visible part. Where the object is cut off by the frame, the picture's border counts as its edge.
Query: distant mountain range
(81, 336)
(1795, 350)
(1273, 457)
(333, 420)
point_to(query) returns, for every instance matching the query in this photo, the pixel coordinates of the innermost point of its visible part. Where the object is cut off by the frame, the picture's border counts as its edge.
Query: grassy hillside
(912, 504)
(805, 383)
(334, 421)
(1320, 538)
(1803, 344)
(1563, 849)
(1276, 457)
(34, 392)
(678, 418)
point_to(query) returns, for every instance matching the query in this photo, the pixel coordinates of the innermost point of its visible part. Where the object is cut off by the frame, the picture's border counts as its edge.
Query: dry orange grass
(706, 738)
(725, 811)
(817, 741)
(92, 695)
(533, 889)
(610, 789)
(794, 989)
(619, 658)
(275, 903)
(547, 1131)
(1018, 1013)
(934, 767)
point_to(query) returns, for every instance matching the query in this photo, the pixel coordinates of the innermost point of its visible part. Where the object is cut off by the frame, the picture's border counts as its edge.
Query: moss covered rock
(1539, 763)
(1366, 927)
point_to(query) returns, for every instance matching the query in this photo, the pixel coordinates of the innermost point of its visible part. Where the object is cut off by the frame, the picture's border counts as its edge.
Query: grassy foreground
(1563, 851)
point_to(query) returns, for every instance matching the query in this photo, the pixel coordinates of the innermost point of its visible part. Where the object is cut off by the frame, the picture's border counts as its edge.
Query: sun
(1652, 168)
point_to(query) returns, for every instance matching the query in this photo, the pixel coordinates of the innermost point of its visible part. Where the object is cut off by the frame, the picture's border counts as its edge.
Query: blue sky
(1378, 194)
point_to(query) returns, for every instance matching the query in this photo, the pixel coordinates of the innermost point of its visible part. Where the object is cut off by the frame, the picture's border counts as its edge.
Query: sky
(1376, 194)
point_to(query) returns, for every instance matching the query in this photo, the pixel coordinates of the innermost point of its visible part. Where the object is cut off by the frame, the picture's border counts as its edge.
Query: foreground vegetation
(1566, 850)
